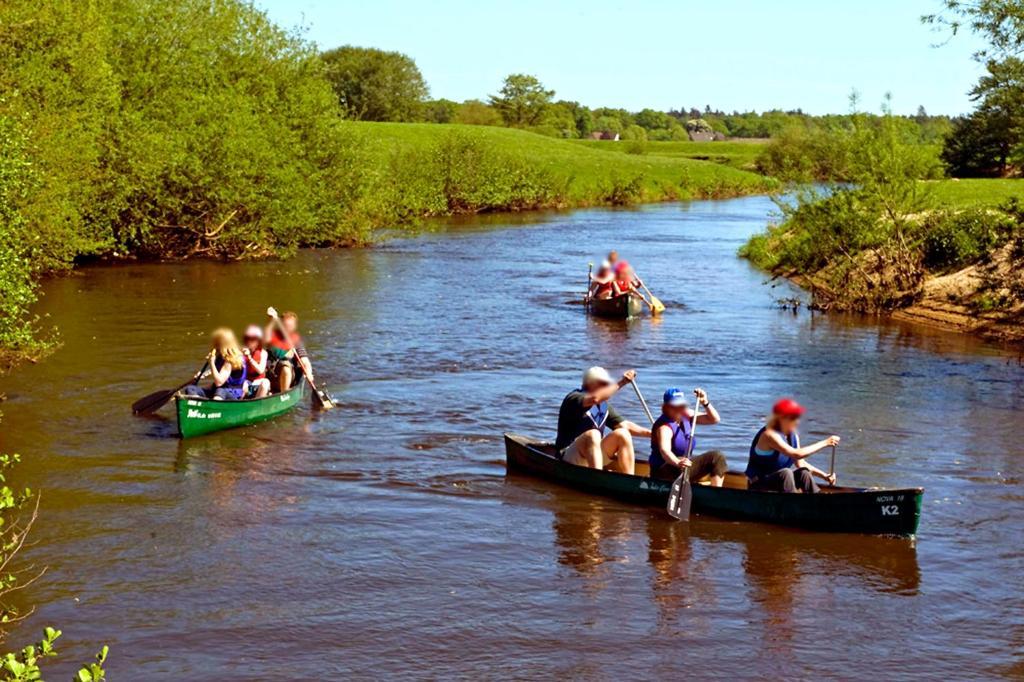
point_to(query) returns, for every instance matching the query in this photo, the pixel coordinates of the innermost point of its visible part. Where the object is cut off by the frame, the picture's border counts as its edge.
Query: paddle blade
(323, 401)
(153, 401)
(656, 305)
(679, 499)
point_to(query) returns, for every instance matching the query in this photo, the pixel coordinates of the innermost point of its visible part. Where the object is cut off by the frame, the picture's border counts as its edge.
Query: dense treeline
(161, 129)
(391, 88)
(828, 148)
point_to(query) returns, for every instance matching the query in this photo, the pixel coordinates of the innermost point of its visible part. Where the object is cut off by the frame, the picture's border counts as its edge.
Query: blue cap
(675, 397)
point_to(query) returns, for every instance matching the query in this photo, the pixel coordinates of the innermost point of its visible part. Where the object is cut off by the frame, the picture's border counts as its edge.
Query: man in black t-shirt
(583, 419)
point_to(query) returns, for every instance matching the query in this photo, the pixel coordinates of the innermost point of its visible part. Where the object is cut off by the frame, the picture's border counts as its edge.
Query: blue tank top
(761, 464)
(680, 441)
(238, 376)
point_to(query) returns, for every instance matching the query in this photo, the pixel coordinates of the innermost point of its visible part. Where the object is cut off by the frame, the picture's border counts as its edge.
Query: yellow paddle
(657, 307)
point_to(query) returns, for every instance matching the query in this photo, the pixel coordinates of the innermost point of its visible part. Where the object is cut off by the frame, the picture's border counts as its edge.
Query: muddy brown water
(384, 538)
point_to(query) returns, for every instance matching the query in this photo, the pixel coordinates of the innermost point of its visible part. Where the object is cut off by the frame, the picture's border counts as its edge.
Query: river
(384, 538)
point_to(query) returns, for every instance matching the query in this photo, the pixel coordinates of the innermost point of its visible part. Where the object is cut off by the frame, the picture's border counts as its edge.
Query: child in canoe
(256, 357)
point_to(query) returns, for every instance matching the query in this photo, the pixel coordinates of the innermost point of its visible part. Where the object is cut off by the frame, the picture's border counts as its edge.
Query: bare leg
(717, 481)
(586, 450)
(263, 388)
(287, 376)
(619, 442)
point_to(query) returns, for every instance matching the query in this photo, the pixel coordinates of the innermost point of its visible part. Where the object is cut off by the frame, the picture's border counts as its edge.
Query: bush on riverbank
(853, 258)
(869, 245)
(836, 149)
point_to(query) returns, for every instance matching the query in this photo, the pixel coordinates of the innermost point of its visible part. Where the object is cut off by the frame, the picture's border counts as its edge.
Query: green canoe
(197, 416)
(620, 307)
(837, 509)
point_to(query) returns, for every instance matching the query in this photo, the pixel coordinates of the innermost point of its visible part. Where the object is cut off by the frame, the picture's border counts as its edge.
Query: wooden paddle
(657, 307)
(832, 467)
(590, 283)
(643, 402)
(681, 497)
(321, 399)
(154, 401)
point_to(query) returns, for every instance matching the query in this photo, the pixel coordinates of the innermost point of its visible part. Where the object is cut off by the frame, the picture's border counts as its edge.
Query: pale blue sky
(732, 54)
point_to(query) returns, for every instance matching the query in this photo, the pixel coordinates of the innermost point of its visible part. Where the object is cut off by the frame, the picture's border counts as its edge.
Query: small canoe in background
(836, 509)
(619, 307)
(197, 416)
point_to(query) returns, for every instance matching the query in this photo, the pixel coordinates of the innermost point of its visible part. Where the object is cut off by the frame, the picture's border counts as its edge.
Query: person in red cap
(256, 362)
(777, 462)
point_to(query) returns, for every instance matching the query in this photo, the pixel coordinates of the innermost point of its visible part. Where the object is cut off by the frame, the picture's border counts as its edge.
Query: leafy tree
(653, 120)
(376, 85)
(991, 139)
(17, 181)
(561, 119)
(440, 111)
(979, 145)
(1000, 22)
(634, 132)
(476, 113)
(522, 100)
(582, 118)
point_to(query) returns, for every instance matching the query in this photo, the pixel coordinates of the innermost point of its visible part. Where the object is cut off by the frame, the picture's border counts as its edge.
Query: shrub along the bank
(853, 258)
(868, 245)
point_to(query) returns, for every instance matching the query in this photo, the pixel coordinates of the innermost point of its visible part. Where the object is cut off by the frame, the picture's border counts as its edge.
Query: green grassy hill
(582, 174)
(740, 154)
(975, 192)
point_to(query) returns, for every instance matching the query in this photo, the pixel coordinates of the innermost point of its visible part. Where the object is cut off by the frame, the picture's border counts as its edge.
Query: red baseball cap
(787, 407)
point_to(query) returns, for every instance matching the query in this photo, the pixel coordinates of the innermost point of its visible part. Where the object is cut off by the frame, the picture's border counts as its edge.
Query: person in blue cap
(671, 436)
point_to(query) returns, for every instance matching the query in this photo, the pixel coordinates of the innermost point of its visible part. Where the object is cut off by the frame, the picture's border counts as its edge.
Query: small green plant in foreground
(18, 511)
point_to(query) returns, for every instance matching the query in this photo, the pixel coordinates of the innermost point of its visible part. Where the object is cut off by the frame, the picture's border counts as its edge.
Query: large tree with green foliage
(376, 85)
(992, 138)
(522, 100)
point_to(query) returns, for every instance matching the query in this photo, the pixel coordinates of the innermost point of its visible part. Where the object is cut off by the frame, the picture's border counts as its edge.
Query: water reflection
(781, 568)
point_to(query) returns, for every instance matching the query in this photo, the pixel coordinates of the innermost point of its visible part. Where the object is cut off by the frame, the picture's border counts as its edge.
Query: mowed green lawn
(740, 154)
(976, 192)
(588, 167)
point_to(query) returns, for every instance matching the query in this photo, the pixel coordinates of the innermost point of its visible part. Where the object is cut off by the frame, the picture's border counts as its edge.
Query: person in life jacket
(671, 436)
(601, 281)
(255, 362)
(227, 366)
(286, 354)
(625, 279)
(591, 433)
(777, 462)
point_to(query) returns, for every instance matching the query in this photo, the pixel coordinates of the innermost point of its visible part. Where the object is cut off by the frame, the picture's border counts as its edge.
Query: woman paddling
(777, 462)
(671, 436)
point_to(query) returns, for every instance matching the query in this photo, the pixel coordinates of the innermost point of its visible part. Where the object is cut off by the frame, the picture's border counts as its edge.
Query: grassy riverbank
(741, 154)
(956, 262)
(516, 170)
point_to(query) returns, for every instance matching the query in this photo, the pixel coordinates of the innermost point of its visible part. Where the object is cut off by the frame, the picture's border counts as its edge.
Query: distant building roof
(604, 135)
(702, 136)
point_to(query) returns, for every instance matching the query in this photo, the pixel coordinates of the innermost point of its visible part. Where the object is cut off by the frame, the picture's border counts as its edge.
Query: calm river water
(384, 538)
